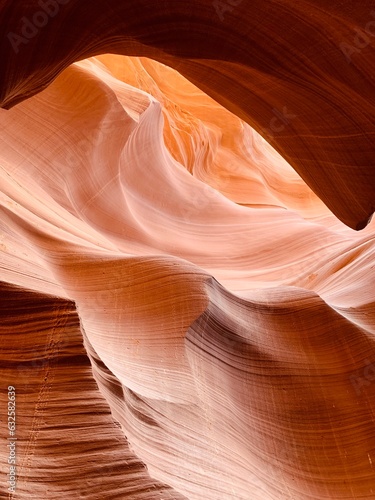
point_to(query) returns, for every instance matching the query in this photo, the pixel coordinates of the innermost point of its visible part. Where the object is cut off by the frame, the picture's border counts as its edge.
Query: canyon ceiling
(187, 254)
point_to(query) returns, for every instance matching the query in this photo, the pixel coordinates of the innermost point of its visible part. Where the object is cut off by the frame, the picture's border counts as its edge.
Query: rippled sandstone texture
(301, 73)
(226, 316)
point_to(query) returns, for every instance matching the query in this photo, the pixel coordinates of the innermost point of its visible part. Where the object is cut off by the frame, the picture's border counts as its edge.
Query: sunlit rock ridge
(186, 249)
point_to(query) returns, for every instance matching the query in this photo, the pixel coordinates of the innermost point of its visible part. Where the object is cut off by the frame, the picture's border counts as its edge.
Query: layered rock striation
(185, 311)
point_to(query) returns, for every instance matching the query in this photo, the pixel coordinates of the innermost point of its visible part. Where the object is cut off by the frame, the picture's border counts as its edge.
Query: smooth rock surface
(154, 243)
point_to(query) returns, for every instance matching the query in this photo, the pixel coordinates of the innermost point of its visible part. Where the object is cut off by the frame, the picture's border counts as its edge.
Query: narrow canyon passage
(186, 252)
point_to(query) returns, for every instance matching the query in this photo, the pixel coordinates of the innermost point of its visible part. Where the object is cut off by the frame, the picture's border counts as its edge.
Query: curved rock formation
(227, 315)
(300, 74)
(68, 445)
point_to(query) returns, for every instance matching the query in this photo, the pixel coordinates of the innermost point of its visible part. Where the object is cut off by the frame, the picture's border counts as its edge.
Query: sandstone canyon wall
(187, 256)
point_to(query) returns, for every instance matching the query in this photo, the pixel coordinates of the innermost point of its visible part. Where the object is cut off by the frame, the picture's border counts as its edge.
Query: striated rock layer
(227, 315)
(68, 446)
(300, 73)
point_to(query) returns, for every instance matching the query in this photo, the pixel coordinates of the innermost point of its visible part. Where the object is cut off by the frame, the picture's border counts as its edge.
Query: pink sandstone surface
(187, 310)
